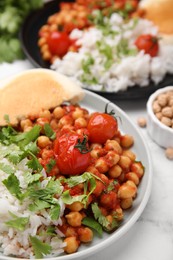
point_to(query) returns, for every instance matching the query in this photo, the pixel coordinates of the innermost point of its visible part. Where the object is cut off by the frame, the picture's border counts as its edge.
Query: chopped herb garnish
(90, 222)
(40, 248)
(49, 131)
(18, 223)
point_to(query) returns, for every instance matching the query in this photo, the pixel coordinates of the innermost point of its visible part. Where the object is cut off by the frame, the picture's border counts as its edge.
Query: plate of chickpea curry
(81, 171)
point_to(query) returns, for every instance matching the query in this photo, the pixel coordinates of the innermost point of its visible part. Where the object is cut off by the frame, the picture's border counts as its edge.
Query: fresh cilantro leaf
(34, 163)
(30, 178)
(99, 217)
(40, 248)
(18, 223)
(50, 165)
(6, 168)
(55, 212)
(38, 205)
(51, 231)
(7, 119)
(49, 131)
(90, 222)
(13, 185)
(68, 199)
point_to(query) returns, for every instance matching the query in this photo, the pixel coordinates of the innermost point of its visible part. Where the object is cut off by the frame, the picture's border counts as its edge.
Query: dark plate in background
(29, 38)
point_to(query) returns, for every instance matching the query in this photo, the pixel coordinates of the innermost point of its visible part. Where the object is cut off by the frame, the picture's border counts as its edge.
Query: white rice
(15, 242)
(138, 69)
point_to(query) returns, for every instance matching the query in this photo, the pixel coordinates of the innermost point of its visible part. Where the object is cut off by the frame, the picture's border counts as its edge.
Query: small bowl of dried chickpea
(160, 116)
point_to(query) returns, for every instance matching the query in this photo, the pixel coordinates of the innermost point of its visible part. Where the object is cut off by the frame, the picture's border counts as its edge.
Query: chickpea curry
(93, 161)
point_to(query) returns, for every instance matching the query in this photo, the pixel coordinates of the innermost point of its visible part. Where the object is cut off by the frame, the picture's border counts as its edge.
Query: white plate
(93, 102)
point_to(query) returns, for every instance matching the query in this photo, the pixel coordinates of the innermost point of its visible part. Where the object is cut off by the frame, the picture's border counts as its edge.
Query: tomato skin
(101, 127)
(59, 43)
(70, 160)
(148, 43)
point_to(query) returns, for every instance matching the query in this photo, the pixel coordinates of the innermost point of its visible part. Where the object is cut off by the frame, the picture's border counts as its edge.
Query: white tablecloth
(152, 235)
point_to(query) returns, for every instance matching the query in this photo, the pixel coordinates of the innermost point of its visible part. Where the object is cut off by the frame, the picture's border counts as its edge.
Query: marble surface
(152, 235)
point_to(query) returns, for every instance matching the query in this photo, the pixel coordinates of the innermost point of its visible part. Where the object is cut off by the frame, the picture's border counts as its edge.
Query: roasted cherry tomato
(72, 154)
(148, 43)
(101, 127)
(59, 43)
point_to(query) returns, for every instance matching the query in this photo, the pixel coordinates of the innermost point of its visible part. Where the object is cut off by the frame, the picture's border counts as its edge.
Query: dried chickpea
(119, 213)
(74, 219)
(159, 115)
(85, 234)
(46, 55)
(166, 121)
(167, 112)
(169, 153)
(54, 124)
(142, 122)
(41, 41)
(156, 107)
(27, 129)
(127, 141)
(138, 168)
(126, 203)
(99, 188)
(72, 245)
(43, 141)
(162, 100)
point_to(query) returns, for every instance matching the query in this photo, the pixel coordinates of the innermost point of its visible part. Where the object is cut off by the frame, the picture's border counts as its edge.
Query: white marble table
(151, 238)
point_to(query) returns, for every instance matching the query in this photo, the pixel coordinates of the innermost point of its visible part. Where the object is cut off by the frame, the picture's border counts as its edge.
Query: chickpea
(65, 120)
(43, 141)
(125, 162)
(138, 168)
(45, 114)
(46, 55)
(129, 154)
(25, 123)
(99, 188)
(75, 206)
(113, 145)
(142, 122)
(169, 153)
(27, 129)
(101, 165)
(74, 218)
(78, 113)
(162, 100)
(44, 48)
(70, 232)
(112, 158)
(58, 112)
(85, 234)
(127, 141)
(41, 41)
(95, 153)
(72, 245)
(127, 190)
(95, 146)
(54, 124)
(80, 122)
(159, 115)
(115, 171)
(156, 107)
(119, 213)
(133, 177)
(167, 112)
(126, 203)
